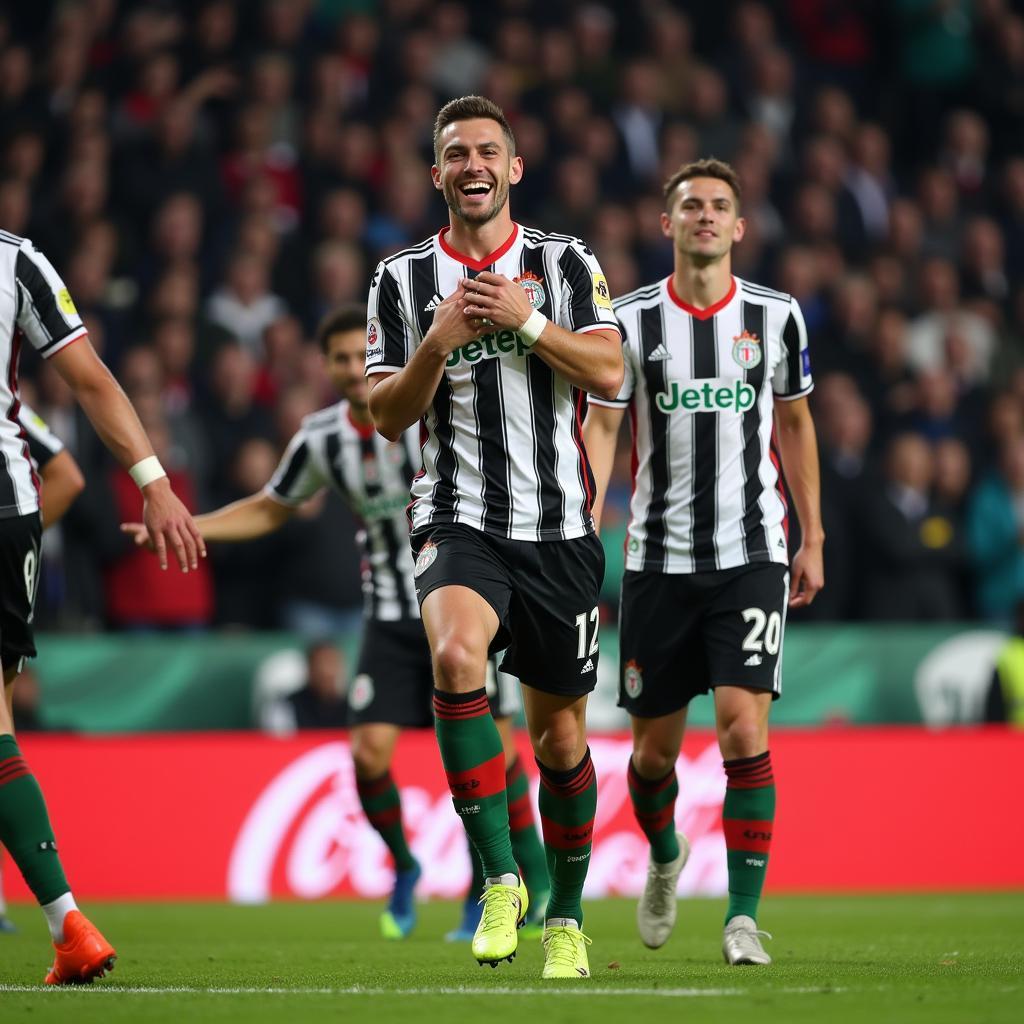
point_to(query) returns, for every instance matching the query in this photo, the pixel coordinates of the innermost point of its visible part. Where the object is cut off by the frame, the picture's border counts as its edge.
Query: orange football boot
(83, 955)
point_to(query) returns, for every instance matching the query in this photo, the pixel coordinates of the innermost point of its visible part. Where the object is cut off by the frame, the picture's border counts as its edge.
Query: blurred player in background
(60, 482)
(717, 369)
(338, 447)
(34, 304)
(492, 334)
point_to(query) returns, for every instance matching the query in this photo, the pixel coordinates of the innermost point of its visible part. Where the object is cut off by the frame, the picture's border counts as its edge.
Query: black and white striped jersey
(503, 449)
(372, 475)
(700, 386)
(34, 304)
(43, 443)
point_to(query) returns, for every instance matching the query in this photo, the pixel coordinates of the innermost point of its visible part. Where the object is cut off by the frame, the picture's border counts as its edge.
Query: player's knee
(459, 664)
(369, 759)
(651, 762)
(742, 737)
(560, 747)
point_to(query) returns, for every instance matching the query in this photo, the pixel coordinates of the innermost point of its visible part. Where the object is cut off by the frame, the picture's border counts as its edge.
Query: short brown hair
(710, 168)
(467, 108)
(350, 317)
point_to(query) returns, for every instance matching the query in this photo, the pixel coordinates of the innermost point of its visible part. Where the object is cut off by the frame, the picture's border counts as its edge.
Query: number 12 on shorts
(582, 651)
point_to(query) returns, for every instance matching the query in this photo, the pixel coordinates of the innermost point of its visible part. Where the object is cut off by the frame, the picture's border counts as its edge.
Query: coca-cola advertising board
(250, 818)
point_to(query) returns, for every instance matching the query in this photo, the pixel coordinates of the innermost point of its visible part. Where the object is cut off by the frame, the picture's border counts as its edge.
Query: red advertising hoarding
(249, 818)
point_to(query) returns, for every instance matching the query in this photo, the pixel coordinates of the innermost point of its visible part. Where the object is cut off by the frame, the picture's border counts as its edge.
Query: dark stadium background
(210, 178)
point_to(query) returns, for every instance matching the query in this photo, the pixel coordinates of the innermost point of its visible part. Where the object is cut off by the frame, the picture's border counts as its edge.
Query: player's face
(703, 221)
(476, 169)
(346, 361)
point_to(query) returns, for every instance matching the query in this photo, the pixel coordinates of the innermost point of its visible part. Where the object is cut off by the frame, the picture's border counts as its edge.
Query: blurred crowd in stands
(211, 177)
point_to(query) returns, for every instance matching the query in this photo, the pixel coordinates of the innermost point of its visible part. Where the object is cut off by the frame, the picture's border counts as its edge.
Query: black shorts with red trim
(681, 634)
(20, 538)
(544, 593)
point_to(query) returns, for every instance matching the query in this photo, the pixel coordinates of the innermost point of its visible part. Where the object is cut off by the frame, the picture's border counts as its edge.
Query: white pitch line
(359, 990)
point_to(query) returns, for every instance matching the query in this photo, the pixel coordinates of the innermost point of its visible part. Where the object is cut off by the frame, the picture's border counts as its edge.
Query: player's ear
(515, 170)
(435, 173)
(666, 225)
(739, 230)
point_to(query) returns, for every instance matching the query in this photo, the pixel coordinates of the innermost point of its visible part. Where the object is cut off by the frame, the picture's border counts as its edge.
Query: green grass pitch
(880, 959)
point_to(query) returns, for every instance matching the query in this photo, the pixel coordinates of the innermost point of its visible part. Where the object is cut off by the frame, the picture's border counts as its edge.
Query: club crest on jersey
(533, 286)
(602, 294)
(360, 694)
(426, 558)
(633, 679)
(746, 350)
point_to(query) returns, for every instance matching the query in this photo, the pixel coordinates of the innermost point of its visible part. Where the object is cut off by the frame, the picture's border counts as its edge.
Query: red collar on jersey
(468, 261)
(703, 314)
(362, 429)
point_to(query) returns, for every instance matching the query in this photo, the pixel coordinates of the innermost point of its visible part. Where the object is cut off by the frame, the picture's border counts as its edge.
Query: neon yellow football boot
(565, 949)
(504, 906)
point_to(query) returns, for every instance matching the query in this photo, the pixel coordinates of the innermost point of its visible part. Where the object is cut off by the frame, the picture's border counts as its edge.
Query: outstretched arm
(246, 519)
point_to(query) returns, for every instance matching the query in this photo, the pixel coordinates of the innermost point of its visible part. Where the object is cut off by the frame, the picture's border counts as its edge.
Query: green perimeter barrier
(858, 674)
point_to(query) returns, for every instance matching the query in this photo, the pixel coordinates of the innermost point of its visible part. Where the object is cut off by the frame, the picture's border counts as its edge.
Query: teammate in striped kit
(337, 447)
(60, 482)
(34, 304)
(717, 370)
(493, 334)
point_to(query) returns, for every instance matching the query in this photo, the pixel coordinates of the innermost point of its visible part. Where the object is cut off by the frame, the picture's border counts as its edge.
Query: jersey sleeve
(45, 312)
(43, 443)
(625, 395)
(586, 301)
(387, 329)
(297, 477)
(792, 377)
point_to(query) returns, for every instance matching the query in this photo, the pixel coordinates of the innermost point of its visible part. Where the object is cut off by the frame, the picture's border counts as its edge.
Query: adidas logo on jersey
(659, 354)
(589, 667)
(754, 659)
(433, 303)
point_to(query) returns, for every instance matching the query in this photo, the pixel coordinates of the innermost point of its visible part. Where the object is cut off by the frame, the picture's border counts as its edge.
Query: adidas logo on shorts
(589, 667)
(754, 659)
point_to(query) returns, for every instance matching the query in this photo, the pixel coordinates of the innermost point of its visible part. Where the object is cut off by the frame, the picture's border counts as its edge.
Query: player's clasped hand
(451, 326)
(167, 524)
(494, 299)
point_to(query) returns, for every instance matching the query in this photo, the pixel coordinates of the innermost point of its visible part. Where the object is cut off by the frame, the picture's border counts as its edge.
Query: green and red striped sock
(25, 826)
(382, 805)
(568, 802)
(475, 765)
(654, 805)
(526, 844)
(748, 814)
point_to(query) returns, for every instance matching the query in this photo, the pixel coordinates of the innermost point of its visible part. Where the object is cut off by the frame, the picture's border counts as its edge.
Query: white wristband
(533, 328)
(145, 471)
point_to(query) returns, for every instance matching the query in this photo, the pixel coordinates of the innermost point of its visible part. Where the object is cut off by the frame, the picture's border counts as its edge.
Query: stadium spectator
(995, 534)
(911, 546)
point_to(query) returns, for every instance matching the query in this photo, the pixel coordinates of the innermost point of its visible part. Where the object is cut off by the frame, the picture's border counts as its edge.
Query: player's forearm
(399, 400)
(247, 519)
(114, 418)
(600, 434)
(592, 362)
(798, 447)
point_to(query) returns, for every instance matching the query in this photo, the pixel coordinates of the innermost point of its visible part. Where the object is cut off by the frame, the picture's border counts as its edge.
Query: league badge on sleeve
(373, 346)
(805, 362)
(602, 295)
(746, 350)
